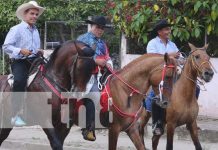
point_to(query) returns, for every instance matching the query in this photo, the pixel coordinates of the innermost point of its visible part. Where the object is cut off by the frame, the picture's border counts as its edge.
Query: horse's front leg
(4, 133)
(143, 122)
(113, 137)
(194, 135)
(136, 137)
(53, 138)
(170, 134)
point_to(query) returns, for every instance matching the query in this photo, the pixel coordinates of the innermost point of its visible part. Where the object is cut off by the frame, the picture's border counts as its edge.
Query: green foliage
(191, 18)
(56, 10)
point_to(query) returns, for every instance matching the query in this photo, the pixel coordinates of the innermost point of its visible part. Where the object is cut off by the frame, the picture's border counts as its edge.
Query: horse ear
(206, 46)
(166, 58)
(193, 48)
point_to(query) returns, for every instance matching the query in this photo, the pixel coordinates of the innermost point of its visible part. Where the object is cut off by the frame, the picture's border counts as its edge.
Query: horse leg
(144, 120)
(113, 137)
(170, 134)
(155, 141)
(193, 129)
(62, 132)
(135, 137)
(53, 138)
(4, 133)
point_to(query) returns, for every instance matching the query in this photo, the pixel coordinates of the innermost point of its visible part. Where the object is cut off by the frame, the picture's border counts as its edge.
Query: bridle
(198, 68)
(135, 116)
(49, 81)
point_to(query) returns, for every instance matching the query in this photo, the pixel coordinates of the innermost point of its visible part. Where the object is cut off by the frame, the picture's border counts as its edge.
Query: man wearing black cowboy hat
(161, 44)
(102, 58)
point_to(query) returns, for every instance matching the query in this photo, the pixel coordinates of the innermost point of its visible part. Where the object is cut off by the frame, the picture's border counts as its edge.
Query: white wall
(208, 100)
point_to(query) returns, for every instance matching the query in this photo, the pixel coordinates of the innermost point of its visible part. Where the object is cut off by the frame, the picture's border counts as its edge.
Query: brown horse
(127, 101)
(183, 108)
(70, 65)
(59, 70)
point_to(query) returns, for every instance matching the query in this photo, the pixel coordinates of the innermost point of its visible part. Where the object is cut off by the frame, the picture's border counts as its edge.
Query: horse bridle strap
(48, 83)
(134, 116)
(161, 85)
(134, 90)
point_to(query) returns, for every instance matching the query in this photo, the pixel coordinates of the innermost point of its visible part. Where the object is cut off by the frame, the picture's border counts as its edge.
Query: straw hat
(31, 4)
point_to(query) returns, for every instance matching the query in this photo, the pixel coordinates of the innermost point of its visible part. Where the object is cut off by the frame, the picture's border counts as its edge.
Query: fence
(57, 32)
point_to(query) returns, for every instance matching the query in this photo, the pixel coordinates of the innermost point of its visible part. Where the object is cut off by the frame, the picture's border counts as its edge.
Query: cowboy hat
(98, 20)
(163, 23)
(31, 4)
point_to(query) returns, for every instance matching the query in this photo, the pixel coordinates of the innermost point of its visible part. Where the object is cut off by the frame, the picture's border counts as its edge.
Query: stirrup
(157, 129)
(88, 135)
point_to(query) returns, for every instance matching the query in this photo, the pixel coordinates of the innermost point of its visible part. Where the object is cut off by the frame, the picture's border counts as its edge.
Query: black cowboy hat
(98, 20)
(163, 23)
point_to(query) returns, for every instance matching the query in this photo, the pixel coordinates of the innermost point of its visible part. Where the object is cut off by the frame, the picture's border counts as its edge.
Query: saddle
(34, 69)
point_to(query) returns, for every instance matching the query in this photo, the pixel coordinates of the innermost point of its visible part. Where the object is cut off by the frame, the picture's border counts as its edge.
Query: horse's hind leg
(4, 133)
(194, 134)
(155, 141)
(135, 137)
(170, 134)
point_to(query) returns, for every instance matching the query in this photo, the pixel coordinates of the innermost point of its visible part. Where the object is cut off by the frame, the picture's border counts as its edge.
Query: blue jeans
(148, 101)
(151, 95)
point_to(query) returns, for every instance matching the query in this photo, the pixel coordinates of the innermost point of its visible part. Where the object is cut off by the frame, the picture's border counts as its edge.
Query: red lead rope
(59, 95)
(136, 115)
(164, 70)
(134, 90)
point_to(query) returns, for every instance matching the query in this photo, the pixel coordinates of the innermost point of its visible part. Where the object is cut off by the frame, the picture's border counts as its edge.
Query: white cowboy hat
(31, 4)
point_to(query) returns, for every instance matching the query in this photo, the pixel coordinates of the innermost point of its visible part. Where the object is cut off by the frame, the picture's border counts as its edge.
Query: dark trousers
(20, 69)
(90, 108)
(90, 114)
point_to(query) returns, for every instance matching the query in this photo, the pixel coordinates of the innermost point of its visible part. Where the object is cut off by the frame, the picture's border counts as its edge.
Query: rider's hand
(109, 65)
(101, 62)
(40, 52)
(175, 55)
(25, 52)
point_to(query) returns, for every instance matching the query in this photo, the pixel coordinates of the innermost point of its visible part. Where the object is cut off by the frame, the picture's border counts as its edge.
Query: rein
(134, 90)
(198, 69)
(135, 116)
(49, 81)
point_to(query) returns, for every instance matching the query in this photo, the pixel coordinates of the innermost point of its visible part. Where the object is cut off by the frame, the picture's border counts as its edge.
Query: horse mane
(139, 59)
(53, 57)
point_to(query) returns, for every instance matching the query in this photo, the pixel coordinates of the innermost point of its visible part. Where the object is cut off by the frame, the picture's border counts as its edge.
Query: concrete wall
(208, 100)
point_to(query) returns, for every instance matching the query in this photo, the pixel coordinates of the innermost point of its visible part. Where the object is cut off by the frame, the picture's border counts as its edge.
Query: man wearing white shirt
(161, 44)
(22, 43)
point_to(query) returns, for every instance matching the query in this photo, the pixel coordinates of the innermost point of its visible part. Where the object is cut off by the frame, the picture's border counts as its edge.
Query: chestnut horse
(66, 68)
(140, 74)
(183, 108)
(127, 100)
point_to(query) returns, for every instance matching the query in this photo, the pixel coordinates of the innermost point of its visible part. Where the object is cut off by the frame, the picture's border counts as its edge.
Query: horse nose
(209, 73)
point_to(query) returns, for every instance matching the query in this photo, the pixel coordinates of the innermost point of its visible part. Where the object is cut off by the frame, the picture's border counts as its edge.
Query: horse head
(83, 67)
(200, 61)
(163, 89)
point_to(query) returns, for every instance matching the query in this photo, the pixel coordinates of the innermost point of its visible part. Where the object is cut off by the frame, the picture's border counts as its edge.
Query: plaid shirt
(101, 50)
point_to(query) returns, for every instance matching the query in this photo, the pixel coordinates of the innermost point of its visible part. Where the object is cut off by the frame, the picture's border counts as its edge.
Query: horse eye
(197, 56)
